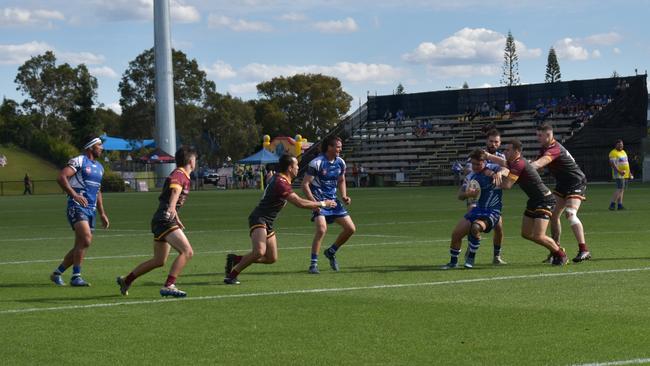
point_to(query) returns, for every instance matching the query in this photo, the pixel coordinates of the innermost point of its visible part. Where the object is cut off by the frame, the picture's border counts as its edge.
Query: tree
(108, 120)
(82, 116)
(50, 90)
(615, 74)
(552, 68)
(400, 89)
(465, 85)
(229, 128)
(308, 104)
(137, 89)
(510, 69)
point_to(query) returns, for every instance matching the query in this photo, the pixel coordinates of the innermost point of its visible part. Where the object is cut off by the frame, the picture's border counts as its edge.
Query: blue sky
(371, 45)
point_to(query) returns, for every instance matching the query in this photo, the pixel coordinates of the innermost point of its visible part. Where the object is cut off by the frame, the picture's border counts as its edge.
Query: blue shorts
(331, 214)
(621, 183)
(490, 217)
(77, 213)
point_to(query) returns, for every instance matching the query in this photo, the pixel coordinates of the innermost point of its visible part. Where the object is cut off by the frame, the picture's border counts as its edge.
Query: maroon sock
(238, 258)
(130, 278)
(560, 253)
(233, 274)
(583, 247)
(170, 281)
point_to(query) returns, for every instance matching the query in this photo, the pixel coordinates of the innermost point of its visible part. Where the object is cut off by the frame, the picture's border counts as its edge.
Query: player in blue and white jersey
(325, 178)
(81, 179)
(492, 145)
(482, 185)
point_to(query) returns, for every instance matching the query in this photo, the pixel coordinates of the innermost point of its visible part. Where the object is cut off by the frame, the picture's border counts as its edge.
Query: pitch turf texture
(389, 304)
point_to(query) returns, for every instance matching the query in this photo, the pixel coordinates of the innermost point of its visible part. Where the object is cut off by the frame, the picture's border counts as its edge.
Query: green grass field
(389, 304)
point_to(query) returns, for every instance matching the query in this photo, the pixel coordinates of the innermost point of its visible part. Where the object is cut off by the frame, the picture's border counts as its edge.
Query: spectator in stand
(355, 175)
(506, 109)
(3, 161)
(457, 169)
(363, 181)
(388, 116)
(485, 110)
(28, 184)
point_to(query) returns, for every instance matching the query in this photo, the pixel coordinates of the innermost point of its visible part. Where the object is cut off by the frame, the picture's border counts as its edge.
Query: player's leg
(460, 231)
(616, 196)
(258, 241)
(160, 254)
(620, 196)
(535, 229)
(571, 213)
(178, 241)
(271, 255)
(349, 229)
(320, 224)
(497, 241)
(556, 225)
(74, 257)
(474, 239)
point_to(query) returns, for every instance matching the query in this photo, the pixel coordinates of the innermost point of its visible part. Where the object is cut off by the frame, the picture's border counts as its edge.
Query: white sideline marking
(226, 251)
(635, 361)
(326, 290)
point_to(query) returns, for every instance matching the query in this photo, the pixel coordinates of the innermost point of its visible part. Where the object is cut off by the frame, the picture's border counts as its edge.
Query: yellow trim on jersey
(513, 177)
(162, 236)
(174, 185)
(548, 158)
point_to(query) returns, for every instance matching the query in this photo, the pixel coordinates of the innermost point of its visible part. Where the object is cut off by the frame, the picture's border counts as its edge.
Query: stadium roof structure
(111, 143)
(261, 157)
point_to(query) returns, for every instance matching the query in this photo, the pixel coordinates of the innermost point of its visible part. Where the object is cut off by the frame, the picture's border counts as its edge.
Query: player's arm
(173, 199)
(499, 175)
(612, 163)
(496, 159)
(62, 179)
(543, 161)
(303, 203)
(101, 211)
(343, 188)
(508, 181)
(305, 186)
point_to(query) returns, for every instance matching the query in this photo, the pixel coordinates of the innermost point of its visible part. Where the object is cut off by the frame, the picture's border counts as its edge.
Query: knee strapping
(572, 215)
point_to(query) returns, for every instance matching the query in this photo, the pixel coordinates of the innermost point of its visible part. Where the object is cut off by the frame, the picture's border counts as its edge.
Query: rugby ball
(474, 184)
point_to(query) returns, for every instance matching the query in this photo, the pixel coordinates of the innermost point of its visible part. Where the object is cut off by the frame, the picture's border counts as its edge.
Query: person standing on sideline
(620, 172)
(28, 184)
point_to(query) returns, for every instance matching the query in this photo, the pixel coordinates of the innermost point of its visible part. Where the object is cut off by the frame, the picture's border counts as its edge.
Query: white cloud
(104, 71)
(467, 46)
(571, 49)
(462, 71)
(221, 70)
(19, 16)
(120, 10)
(293, 17)
(244, 88)
(346, 25)
(346, 71)
(604, 39)
(87, 58)
(115, 107)
(617, 51)
(595, 54)
(16, 54)
(237, 25)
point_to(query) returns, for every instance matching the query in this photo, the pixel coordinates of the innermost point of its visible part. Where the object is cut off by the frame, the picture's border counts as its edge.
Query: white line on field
(325, 290)
(635, 361)
(225, 251)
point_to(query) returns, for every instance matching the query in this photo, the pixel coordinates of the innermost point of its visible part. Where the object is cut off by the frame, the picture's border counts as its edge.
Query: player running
(167, 227)
(482, 185)
(493, 143)
(81, 179)
(260, 221)
(324, 174)
(541, 202)
(570, 187)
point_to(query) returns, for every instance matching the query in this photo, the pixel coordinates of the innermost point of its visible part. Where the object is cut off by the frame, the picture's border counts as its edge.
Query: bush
(51, 149)
(113, 182)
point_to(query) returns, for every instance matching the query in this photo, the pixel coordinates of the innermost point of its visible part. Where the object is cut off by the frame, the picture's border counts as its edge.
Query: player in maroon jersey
(260, 221)
(167, 227)
(570, 187)
(540, 203)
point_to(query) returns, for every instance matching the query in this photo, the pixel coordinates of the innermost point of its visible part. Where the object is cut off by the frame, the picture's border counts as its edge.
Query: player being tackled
(482, 187)
(260, 221)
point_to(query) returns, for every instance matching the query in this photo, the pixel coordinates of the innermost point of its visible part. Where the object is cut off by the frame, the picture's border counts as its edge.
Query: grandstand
(441, 127)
